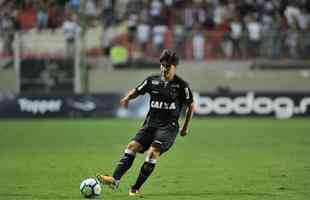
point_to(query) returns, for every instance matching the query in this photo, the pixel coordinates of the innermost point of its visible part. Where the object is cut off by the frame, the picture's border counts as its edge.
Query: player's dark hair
(168, 57)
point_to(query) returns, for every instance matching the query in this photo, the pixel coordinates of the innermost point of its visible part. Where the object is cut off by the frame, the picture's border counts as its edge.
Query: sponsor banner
(279, 105)
(105, 105)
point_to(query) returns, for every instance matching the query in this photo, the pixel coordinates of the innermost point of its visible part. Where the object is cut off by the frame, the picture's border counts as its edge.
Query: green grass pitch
(220, 159)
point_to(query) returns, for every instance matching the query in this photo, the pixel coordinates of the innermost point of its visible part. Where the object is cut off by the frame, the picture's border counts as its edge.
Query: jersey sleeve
(143, 87)
(187, 95)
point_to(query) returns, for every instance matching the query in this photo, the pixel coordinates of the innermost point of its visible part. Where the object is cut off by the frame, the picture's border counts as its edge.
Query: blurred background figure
(71, 30)
(254, 30)
(236, 32)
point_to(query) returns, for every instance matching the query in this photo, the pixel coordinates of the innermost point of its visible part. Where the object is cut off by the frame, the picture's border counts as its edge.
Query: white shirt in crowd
(91, 8)
(143, 33)
(291, 13)
(71, 29)
(156, 7)
(236, 30)
(198, 46)
(254, 30)
(159, 34)
(219, 13)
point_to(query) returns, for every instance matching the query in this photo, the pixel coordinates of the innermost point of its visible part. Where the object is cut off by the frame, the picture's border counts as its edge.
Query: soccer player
(168, 94)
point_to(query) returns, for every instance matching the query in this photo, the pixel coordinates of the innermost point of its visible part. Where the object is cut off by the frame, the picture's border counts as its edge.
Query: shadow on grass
(210, 193)
(36, 196)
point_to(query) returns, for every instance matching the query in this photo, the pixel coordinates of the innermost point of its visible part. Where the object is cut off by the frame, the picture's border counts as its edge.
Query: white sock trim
(150, 160)
(130, 152)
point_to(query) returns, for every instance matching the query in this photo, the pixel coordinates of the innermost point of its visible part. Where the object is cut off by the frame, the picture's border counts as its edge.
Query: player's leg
(164, 139)
(127, 160)
(139, 143)
(146, 169)
(124, 164)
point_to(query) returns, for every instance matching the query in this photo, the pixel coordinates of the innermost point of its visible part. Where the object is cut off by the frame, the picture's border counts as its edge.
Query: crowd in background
(223, 28)
(197, 29)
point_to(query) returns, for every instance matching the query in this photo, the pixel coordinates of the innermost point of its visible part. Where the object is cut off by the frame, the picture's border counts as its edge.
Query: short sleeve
(188, 95)
(143, 87)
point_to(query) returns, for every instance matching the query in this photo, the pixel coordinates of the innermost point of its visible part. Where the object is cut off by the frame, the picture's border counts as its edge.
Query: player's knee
(134, 147)
(153, 153)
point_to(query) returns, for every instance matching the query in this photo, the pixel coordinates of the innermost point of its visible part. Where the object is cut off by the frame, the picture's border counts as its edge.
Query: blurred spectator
(9, 25)
(274, 37)
(28, 15)
(90, 9)
(105, 43)
(305, 43)
(143, 35)
(235, 35)
(74, 4)
(189, 17)
(55, 16)
(71, 31)
(219, 13)
(292, 41)
(159, 32)
(107, 11)
(119, 55)
(254, 29)
(156, 11)
(42, 17)
(198, 45)
(7, 33)
(132, 26)
(292, 13)
(303, 19)
(179, 39)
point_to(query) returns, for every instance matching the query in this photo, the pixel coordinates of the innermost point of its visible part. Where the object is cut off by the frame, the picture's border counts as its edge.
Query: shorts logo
(163, 105)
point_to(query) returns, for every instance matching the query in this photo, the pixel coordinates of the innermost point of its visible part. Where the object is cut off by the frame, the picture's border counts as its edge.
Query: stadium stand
(215, 29)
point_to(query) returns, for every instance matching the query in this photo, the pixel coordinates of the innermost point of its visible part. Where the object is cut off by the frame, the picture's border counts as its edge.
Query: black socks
(124, 164)
(146, 170)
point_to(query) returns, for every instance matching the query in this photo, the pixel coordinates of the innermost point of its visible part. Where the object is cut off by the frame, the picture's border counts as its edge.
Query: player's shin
(124, 164)
(146, 170)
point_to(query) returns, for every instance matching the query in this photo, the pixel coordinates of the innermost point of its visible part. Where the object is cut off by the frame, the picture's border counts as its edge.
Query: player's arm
(188, 117)
(132, 94)
(189, 109)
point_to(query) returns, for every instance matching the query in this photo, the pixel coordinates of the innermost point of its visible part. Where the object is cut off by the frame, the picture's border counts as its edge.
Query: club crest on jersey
(155, 82)
(163, 105)
(175, 85)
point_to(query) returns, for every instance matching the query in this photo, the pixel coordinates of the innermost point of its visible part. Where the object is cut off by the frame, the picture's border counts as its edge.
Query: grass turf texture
(221, 159)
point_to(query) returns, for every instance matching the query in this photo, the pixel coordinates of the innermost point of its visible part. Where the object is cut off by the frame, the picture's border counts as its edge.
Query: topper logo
(39, 106)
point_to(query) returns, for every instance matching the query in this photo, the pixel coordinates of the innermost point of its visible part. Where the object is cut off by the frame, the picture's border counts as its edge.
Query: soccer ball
(90, 188)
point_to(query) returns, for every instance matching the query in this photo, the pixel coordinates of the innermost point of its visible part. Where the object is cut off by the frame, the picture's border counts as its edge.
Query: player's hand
(124, 102)
(183, 132)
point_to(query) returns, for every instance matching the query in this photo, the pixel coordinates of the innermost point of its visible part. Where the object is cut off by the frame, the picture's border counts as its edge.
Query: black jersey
(166, 99)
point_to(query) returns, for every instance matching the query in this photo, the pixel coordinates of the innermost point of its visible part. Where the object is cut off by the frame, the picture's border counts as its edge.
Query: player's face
(168, 72)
